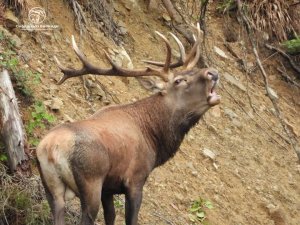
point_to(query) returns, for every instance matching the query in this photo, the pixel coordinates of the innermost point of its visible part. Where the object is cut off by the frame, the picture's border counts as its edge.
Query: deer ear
(152, 85)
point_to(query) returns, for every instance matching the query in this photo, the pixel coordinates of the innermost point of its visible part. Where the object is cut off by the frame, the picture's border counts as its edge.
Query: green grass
(39, 120)
(197, 211)
(23, 78)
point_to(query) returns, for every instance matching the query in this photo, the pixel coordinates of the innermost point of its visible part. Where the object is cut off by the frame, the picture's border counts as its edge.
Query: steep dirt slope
(254, 177)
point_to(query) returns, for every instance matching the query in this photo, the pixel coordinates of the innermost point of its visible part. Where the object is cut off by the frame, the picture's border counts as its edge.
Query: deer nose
(212, 74)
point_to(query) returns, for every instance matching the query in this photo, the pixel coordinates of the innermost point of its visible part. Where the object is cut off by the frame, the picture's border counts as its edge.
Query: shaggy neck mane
(162, 125)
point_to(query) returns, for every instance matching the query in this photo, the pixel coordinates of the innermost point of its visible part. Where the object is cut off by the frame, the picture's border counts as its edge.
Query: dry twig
(293, 64)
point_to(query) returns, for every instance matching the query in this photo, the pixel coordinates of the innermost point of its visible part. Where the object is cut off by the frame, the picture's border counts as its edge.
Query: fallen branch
(293, 64)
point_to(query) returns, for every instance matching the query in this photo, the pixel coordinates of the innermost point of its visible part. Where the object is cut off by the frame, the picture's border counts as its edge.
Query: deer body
(114, 151)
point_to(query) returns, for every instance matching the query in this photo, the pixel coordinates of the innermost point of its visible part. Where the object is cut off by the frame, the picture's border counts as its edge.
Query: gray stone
(220, 52)
(209, 153)
(11, 21)
(234, 81)
(272, 94)
(54, 104)
(228, 112)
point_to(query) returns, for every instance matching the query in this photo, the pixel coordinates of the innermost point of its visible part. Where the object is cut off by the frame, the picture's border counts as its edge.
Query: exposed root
(79, 15)
(101, 12)
(292, 62)
(280, 117)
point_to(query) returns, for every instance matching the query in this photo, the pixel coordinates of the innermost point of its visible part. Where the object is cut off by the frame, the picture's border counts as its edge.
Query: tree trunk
(12, 129)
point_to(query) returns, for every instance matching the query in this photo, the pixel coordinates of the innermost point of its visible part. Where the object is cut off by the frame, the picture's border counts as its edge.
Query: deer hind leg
(90, 195)
(108, 209)
(55, 191)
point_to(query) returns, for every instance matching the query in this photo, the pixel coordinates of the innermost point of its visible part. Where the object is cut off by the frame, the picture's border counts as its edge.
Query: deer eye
(178, 81)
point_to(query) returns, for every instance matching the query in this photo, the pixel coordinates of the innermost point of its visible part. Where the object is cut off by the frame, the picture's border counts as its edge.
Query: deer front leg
(108, 208)
(132, 205)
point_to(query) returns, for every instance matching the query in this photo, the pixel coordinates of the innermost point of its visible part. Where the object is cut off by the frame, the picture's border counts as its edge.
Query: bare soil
(255, 176)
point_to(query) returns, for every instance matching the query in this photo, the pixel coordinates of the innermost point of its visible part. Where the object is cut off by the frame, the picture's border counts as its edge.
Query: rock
(39, 70)
(272, 94)
(166, 17)
(237, 123)
(234, 81)
(209, 154)
(273, 111)
(68, 118)
(123, 30)
(213, 128)
(220, 52)
(11, 21)
(54, 104)
(293, 128)
(16, 40)
(57, 103)
(195, 173)
(228, 112)
(106, 102)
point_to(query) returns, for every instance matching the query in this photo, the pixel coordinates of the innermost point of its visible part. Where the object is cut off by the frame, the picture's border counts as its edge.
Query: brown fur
(114, 151)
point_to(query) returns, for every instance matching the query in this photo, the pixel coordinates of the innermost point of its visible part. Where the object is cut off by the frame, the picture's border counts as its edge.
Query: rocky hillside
(236, 167)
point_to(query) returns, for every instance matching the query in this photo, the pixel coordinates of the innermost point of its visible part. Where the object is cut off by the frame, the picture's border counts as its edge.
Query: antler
(115, 70)
(188, 61)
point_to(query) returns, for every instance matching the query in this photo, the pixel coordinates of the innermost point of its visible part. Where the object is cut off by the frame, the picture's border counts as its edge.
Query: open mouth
(213, 98)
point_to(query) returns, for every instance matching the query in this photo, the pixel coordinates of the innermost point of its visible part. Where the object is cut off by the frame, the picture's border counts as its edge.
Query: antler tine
(181, 48)
(187, 61)
(172, 65)
(193, 56)
(169, 52)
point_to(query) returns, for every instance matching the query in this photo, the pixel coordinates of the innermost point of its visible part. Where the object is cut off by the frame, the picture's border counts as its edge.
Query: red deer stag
(115, 150)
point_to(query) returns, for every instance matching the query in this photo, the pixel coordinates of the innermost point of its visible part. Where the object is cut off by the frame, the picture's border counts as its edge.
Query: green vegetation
(22, 201)
(9, 60)
(118, 202)
(197, 211)
(3, 157)
(226, 5)
(40, 118)
(23, 80)
(292, 46)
